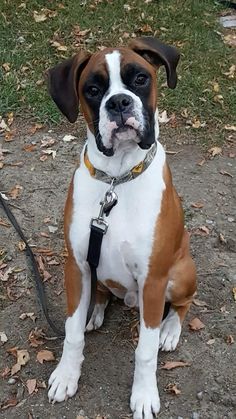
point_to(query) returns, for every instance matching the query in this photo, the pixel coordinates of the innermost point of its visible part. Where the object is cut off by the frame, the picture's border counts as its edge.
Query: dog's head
(116, 88)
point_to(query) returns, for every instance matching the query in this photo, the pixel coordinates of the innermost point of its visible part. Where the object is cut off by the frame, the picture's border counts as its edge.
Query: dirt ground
(208, 388)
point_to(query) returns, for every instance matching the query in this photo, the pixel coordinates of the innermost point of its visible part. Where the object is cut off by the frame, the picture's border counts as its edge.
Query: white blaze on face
(116, 86)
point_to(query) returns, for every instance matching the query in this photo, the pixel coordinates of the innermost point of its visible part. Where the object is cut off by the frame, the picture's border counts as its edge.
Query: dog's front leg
(145, 400)
(64, 379)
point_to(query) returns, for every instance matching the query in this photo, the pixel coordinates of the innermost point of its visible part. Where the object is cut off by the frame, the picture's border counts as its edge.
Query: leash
(37, 277)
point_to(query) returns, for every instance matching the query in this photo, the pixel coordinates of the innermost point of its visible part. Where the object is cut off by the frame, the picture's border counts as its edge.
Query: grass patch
(27, 50)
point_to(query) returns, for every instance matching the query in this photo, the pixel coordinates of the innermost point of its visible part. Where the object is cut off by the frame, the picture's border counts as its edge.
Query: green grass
(189, 24)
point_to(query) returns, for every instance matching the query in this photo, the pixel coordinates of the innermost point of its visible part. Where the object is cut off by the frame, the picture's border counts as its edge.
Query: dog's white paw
(170, 332)
(97, 317)
(63, 383)
(145, 401)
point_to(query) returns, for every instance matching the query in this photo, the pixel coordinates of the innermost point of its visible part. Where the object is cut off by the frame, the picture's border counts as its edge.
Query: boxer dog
(145, 255)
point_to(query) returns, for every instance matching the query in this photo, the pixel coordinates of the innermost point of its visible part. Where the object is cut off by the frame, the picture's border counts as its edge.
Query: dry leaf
(30, 147)
(223, 172)
(39, 17)
(201, 231)
(170, 365)
(199, 303)
(4, 223)
(172, 388)
(230, 39)
(43, 158)
(222, 239)
(197, 205)
(230, 127)
(9, 403)
(67, 138)
(46, 142)
(50, 152)
(45, 355)
(36, 337)
(15, 192)
(31, 385)
(230, 74)
(230, 340)
(5, 372)
(5, 276)
(58, 46)
(201, 163)
(196, 324)
(210, 342)
(31, 316)
(22, 359)
(21, 246)
(215, 151)
(34, 128)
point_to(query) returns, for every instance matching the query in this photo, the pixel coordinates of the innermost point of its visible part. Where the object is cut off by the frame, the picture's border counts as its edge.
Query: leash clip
(109, 201)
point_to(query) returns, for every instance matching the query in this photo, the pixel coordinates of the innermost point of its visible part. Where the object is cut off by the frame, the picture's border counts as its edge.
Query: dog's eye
(93, 91)
(140, 80)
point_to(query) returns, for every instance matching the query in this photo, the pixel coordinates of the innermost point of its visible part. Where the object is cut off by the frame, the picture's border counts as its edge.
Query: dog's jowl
(144, 255)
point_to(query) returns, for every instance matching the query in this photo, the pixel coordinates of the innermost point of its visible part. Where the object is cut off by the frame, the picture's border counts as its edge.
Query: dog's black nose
(119, 103)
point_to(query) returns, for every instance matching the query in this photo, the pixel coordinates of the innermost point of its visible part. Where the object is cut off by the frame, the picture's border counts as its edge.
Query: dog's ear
(157, 53)
(63, 84)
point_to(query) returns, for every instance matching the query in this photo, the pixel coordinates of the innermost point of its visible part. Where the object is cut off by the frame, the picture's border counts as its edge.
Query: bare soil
(208, 388)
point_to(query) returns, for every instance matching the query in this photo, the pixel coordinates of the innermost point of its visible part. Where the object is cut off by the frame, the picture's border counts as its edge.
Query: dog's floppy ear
(63, 84)
(157, 53)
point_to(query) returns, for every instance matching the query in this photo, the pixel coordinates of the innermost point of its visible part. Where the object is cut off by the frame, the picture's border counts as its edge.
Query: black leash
(37, 276)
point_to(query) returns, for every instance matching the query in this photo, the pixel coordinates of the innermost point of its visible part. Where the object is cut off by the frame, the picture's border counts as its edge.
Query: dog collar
(126, 177)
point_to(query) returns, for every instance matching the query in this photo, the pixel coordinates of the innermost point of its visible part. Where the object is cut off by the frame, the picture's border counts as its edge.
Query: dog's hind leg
(180, 291)
(102, 299)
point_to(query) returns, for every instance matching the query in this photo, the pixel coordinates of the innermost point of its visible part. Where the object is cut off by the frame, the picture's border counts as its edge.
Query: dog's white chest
(127, 245)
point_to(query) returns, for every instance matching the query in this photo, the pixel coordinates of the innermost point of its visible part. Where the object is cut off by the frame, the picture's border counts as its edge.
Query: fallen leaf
(34, 128)
(31, 316)
(5, 276)
(230, 39)
(15, 192)
(230, 74)
(5, 372)
(223, 172)
(9, 403)
(145, 28)
(50, 152)
(229, 339)
(172, 388)
(22, 359)
(46, 142)
(31, 385)
(36, 337)
(6, 67)
(197, 205)
(201, 231)
(30, 147)
(67, 138)
(45, 355)
(39, 17)
(201, 163)
(52, 229)
(222, 239)
(21, 246)
(4, 223)
(43, 158)
(215, 151)
(3, 337)
(230, 127)
(41, 384)
(199, 303)
(234, 293)
(196, 324)
(170, 365)
(210, 342)
(58, 46)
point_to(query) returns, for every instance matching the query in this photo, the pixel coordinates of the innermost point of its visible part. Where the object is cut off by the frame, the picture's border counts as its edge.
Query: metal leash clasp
(109, 201)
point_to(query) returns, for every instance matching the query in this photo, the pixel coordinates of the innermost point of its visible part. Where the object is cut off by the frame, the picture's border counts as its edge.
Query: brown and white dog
(145, 255)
